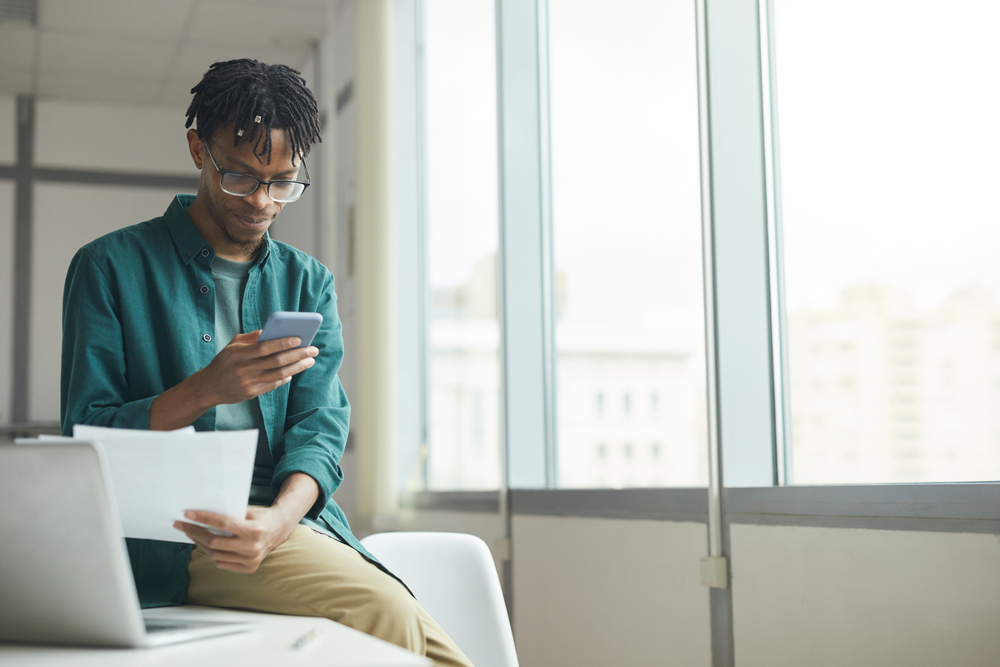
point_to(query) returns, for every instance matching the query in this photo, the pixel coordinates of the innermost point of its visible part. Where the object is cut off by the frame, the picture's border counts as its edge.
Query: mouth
(252, 223)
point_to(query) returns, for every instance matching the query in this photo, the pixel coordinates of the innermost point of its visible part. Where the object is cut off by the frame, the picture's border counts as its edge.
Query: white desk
(270, 645)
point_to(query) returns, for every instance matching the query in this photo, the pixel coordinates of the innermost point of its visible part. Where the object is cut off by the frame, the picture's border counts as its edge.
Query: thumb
(248, 338)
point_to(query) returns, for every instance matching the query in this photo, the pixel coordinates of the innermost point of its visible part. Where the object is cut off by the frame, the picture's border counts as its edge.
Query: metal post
(23, 216)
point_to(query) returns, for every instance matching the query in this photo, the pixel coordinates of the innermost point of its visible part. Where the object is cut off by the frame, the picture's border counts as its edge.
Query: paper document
(157, 475)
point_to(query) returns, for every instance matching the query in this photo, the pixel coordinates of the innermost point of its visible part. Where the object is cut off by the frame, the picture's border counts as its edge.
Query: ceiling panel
(193, 60)
(17, 47)
(150, 51)
(163, 21)
(103, 56)
(290, 23)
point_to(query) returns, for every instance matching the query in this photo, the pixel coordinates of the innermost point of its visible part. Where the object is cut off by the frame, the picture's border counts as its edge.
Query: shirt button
(181, 547)
(187, 254)
(204, 252)
(207, 338)
(204, 289)
(173, 600)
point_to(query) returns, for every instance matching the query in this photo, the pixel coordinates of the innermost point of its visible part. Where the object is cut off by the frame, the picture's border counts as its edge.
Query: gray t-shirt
(230, 281)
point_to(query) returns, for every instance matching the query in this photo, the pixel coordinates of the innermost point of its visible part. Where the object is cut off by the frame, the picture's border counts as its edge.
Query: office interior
(625, 286)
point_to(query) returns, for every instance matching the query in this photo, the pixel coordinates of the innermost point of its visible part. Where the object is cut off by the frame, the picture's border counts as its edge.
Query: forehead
(255, 150)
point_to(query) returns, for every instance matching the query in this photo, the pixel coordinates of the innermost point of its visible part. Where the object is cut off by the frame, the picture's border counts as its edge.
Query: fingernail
(295, 342)
(189, 515)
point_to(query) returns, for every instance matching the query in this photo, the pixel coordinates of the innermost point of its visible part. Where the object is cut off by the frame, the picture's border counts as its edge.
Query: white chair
(454, 578)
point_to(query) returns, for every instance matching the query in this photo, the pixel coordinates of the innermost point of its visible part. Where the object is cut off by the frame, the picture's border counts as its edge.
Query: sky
(624, 151)
(889, 146)
(888, 149)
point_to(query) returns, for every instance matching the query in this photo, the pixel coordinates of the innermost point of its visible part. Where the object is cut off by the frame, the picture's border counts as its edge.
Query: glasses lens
(238, 184)
(285, 191)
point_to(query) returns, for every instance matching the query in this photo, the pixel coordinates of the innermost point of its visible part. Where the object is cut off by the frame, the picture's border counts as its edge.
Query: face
(239, 223)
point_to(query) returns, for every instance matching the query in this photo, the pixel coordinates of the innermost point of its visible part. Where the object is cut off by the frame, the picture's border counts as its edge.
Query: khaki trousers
(312, 574)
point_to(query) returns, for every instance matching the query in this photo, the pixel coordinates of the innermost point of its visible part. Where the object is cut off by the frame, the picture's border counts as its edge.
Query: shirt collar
(188, 240)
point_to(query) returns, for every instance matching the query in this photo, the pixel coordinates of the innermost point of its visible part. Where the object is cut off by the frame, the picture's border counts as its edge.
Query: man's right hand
(245, 369)
(242, 370)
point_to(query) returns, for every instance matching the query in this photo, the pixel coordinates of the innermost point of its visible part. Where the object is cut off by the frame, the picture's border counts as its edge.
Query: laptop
(65, 576)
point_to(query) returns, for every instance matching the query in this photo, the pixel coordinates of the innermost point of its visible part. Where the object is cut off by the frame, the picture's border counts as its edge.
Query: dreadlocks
(254, 98)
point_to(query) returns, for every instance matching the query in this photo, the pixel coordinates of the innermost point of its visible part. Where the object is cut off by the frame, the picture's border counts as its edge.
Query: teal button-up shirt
(138, 318)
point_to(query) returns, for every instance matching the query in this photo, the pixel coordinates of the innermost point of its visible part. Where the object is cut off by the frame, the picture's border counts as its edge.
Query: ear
(195, 145)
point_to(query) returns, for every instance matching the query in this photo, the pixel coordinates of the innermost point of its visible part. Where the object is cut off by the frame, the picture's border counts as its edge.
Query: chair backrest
(454, 578)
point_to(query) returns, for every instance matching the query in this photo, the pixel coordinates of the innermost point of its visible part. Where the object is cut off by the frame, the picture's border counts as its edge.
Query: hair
(236, 92)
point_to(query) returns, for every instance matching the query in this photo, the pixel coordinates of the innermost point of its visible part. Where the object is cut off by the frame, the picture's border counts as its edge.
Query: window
(627, 239)
(464, 374)
(888, 169)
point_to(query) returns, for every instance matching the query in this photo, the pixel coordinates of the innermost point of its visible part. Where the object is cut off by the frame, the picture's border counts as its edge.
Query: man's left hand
(253, 538)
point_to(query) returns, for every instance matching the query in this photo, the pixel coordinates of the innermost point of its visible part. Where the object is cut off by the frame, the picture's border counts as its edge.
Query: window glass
(464, 370)
(627, 244)
(889, 177)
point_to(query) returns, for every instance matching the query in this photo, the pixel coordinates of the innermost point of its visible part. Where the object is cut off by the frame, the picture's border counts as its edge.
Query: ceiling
(145, 52)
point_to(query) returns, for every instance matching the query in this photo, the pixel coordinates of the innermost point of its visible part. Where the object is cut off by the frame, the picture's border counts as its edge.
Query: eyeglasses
(244, 185)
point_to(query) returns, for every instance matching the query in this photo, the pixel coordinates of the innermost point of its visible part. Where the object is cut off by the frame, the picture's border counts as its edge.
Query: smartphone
(285, 324)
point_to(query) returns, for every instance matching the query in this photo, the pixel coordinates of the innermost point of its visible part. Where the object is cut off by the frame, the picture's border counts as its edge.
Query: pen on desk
(306, 639)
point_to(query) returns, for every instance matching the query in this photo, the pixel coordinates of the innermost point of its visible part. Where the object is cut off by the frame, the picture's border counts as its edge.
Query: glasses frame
(222, 174)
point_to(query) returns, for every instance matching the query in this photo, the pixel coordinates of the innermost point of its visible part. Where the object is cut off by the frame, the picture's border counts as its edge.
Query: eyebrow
(251, 170)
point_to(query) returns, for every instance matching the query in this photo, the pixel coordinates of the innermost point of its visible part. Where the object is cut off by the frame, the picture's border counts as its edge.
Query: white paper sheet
(156, 475)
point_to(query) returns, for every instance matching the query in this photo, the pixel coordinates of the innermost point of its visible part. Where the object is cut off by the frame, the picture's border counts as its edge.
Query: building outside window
(891, 232)
(627, 241)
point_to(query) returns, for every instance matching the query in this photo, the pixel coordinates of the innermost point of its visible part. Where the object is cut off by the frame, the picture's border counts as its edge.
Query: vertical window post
(525, 244)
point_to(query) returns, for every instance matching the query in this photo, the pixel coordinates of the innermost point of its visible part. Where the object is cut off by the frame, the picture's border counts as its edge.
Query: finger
(248, 338)
(269, 347)
(214, 519)
(282, 375)
(198, 540)
(273, 379)
(201, 536)
(219, 555)
(288, 357)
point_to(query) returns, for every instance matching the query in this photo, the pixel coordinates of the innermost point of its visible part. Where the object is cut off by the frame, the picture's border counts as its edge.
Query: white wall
(825, 596)
(8, 130)
(609, 592)
(111, 138)
(487, 527)
(627, 592)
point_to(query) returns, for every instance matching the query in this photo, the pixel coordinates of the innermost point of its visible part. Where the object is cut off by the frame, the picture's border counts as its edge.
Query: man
(160, 328)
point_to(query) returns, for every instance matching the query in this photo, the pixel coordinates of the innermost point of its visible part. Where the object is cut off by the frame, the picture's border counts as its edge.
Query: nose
(259, 199)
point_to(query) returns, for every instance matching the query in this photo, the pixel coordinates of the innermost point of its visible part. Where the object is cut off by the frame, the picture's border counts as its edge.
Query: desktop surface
(270, 645)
